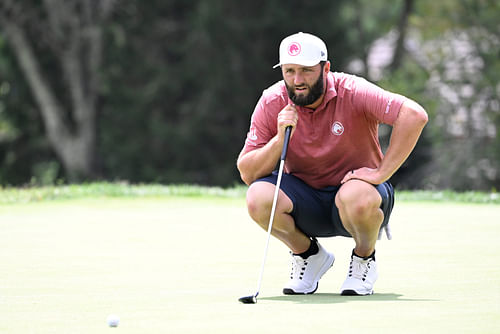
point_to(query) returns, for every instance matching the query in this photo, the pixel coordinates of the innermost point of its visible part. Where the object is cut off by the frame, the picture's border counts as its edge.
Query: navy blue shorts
(314, 210)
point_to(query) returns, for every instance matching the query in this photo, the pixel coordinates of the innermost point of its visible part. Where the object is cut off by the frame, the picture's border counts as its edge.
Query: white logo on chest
(337, 128)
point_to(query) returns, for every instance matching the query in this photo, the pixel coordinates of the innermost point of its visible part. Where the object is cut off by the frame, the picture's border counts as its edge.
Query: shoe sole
(354, 293)
(287, 291)
(323, 270)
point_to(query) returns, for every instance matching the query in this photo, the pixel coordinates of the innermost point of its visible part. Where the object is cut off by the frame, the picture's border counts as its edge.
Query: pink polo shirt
(338, 136)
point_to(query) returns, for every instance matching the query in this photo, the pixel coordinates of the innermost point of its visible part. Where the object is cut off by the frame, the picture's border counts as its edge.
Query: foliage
(462, 58)
(22, 141)
(190, 101)
(452, 68)
(104, 189)
(179, 81)
(11, 195)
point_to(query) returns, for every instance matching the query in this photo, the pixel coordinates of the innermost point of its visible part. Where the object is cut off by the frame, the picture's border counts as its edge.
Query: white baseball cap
(302, 49)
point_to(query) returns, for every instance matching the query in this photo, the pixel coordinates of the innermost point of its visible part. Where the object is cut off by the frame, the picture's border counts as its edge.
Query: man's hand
(288, 116)
(405, 133)
(370, 175)
(262, 161)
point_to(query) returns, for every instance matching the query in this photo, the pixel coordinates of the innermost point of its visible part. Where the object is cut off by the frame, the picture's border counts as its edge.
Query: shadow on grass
(334, 298)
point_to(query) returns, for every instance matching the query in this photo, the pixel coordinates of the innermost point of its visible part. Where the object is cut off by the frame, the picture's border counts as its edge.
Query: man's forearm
(260, 162)
(405, 133)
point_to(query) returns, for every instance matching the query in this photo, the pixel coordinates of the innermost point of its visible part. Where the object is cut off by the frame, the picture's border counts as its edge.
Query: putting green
(178, 265)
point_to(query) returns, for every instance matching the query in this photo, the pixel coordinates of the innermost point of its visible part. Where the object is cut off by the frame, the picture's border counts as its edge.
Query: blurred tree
(21, 129)
(460, 50)
(162, 91)
(178, 80)
(402, 29)
(58, 45)
(184, 78)
(383, 32)
(449, 63)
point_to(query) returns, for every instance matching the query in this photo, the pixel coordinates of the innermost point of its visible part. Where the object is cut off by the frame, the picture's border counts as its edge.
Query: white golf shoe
(361, 277)
(307, 272)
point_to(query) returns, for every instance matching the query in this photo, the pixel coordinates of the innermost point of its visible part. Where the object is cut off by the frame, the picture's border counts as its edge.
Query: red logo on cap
(294, 49)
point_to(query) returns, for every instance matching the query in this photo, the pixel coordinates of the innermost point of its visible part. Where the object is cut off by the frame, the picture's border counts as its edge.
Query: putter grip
(288, 130)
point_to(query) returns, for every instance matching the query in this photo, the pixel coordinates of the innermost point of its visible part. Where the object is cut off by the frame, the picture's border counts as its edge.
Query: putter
(253, 298)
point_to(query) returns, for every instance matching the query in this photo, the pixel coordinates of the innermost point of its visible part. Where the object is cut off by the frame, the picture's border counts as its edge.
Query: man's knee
(358, 199)
(260, 197)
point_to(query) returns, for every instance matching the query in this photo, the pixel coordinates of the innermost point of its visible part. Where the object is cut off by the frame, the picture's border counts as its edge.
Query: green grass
(449, 196)
(105, 189)
(175, 260)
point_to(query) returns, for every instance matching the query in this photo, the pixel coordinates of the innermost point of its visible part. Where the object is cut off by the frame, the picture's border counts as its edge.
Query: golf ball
(113, 320)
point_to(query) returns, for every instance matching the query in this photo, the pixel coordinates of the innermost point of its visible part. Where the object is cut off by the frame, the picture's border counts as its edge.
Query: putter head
(248, 299)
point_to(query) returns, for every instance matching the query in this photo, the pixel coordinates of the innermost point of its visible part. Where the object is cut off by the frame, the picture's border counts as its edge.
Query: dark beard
(315, 92)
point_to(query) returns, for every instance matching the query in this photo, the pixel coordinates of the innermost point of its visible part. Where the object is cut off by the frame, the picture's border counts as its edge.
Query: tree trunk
(73, 30)
(74, 148)
(402, 29)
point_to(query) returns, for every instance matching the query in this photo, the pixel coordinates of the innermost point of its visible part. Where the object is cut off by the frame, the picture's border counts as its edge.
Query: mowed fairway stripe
(179, 265)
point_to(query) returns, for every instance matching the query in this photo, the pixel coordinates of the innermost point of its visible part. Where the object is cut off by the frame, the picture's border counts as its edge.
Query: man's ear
(327, 66)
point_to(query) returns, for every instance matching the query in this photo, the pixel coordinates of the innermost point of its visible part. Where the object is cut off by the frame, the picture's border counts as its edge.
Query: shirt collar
(330, 92)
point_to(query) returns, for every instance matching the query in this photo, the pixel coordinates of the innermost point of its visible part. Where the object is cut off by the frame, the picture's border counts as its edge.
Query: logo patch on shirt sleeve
(337, 128)
(252, 137)
(388, 105)
(252, 134)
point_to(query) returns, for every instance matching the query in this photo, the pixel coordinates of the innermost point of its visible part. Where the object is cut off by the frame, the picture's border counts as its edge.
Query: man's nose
(298, 79)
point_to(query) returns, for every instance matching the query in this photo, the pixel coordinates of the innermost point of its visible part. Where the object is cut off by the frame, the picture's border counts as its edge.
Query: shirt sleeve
(376, 102)
(262, 126)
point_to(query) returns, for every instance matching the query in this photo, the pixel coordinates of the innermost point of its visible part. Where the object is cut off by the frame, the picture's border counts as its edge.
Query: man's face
(305, 84)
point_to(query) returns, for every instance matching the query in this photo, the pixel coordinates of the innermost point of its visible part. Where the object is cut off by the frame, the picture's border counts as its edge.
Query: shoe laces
(359, 268)
(299, 266)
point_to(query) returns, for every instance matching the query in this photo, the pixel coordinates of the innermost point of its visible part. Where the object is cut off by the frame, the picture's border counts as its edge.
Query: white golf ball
(113, 320)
